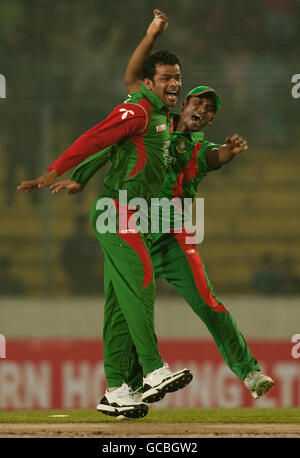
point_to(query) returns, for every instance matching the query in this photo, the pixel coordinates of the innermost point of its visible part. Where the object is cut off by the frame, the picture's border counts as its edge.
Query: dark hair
(158, 58)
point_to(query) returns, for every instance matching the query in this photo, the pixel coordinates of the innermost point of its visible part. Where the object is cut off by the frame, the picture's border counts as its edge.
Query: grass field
(245, 415)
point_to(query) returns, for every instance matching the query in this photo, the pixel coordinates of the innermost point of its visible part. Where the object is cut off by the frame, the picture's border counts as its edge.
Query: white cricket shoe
(119, 403)
(136, 394)
(162, 381)
(259, 384)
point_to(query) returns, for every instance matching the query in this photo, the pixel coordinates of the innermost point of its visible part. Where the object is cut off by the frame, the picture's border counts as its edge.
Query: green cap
(199, 90)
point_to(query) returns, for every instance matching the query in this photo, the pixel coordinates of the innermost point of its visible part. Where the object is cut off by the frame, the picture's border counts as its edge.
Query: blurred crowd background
(64, 63)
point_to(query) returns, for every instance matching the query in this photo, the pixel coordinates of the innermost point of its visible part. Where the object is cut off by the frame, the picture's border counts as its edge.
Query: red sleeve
(124, 121)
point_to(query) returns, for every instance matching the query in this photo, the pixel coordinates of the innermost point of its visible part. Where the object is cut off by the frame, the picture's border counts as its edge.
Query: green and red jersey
(187, 168)
(138, 130)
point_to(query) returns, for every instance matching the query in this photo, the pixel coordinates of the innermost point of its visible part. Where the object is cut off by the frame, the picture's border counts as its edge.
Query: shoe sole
(157, 393)
(139, 411)
(263, 388)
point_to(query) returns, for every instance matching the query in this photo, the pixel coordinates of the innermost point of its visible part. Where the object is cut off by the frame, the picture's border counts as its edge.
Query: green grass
(245, 415)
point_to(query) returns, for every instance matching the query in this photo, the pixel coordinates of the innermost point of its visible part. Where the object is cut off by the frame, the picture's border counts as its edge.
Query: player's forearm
(53, 174)
(217, 157)
(86, 169)
(225, 154)
(133, 75)
(74, 155)
(212, 158)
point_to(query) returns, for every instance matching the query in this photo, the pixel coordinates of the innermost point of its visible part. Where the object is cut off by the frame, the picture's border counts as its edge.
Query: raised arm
(133, 75)
(233, 145)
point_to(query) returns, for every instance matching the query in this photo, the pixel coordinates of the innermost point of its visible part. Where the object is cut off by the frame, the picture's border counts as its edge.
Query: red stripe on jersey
(134, 240)
(142, 155)
(172, 127)
(190, 171)
(139, 140)
(196, 265)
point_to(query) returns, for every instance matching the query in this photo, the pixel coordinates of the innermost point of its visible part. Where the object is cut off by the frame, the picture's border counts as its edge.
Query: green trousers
(180, 264)
(130, 344)
(129, 287)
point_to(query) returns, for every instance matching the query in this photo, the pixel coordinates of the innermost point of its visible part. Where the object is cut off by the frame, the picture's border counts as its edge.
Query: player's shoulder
(138, 98)
(133, 97)
(129, 110)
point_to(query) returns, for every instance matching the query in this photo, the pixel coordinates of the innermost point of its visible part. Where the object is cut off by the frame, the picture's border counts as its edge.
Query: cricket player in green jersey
(173, 258)
(139, 132)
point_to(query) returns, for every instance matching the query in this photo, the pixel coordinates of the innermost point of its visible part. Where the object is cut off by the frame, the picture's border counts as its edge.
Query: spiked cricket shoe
(120, 403)
(162, 381)
(258, 383)
(137, 394)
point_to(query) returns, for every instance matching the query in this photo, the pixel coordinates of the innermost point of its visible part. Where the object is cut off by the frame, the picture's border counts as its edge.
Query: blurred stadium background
(64, 64)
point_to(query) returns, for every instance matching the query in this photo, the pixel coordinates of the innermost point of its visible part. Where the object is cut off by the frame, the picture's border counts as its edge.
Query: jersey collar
(197, 136)
(155, 101)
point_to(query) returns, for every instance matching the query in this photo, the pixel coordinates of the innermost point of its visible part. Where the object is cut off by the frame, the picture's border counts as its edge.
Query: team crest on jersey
(126, 113)
(180, 146)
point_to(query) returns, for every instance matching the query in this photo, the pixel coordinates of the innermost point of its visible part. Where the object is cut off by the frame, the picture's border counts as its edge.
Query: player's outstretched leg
(120, 403)
(180, 264)
(161, 381)
(258, 384)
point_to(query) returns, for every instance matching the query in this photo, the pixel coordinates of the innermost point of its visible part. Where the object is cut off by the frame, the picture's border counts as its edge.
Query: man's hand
(71, 185)
(236, 144)
(158, 25)
(42, 182)
(233, 145)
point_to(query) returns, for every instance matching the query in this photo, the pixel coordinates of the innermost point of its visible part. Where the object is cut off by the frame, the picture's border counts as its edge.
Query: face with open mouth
(166, 83)
(196, 113)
